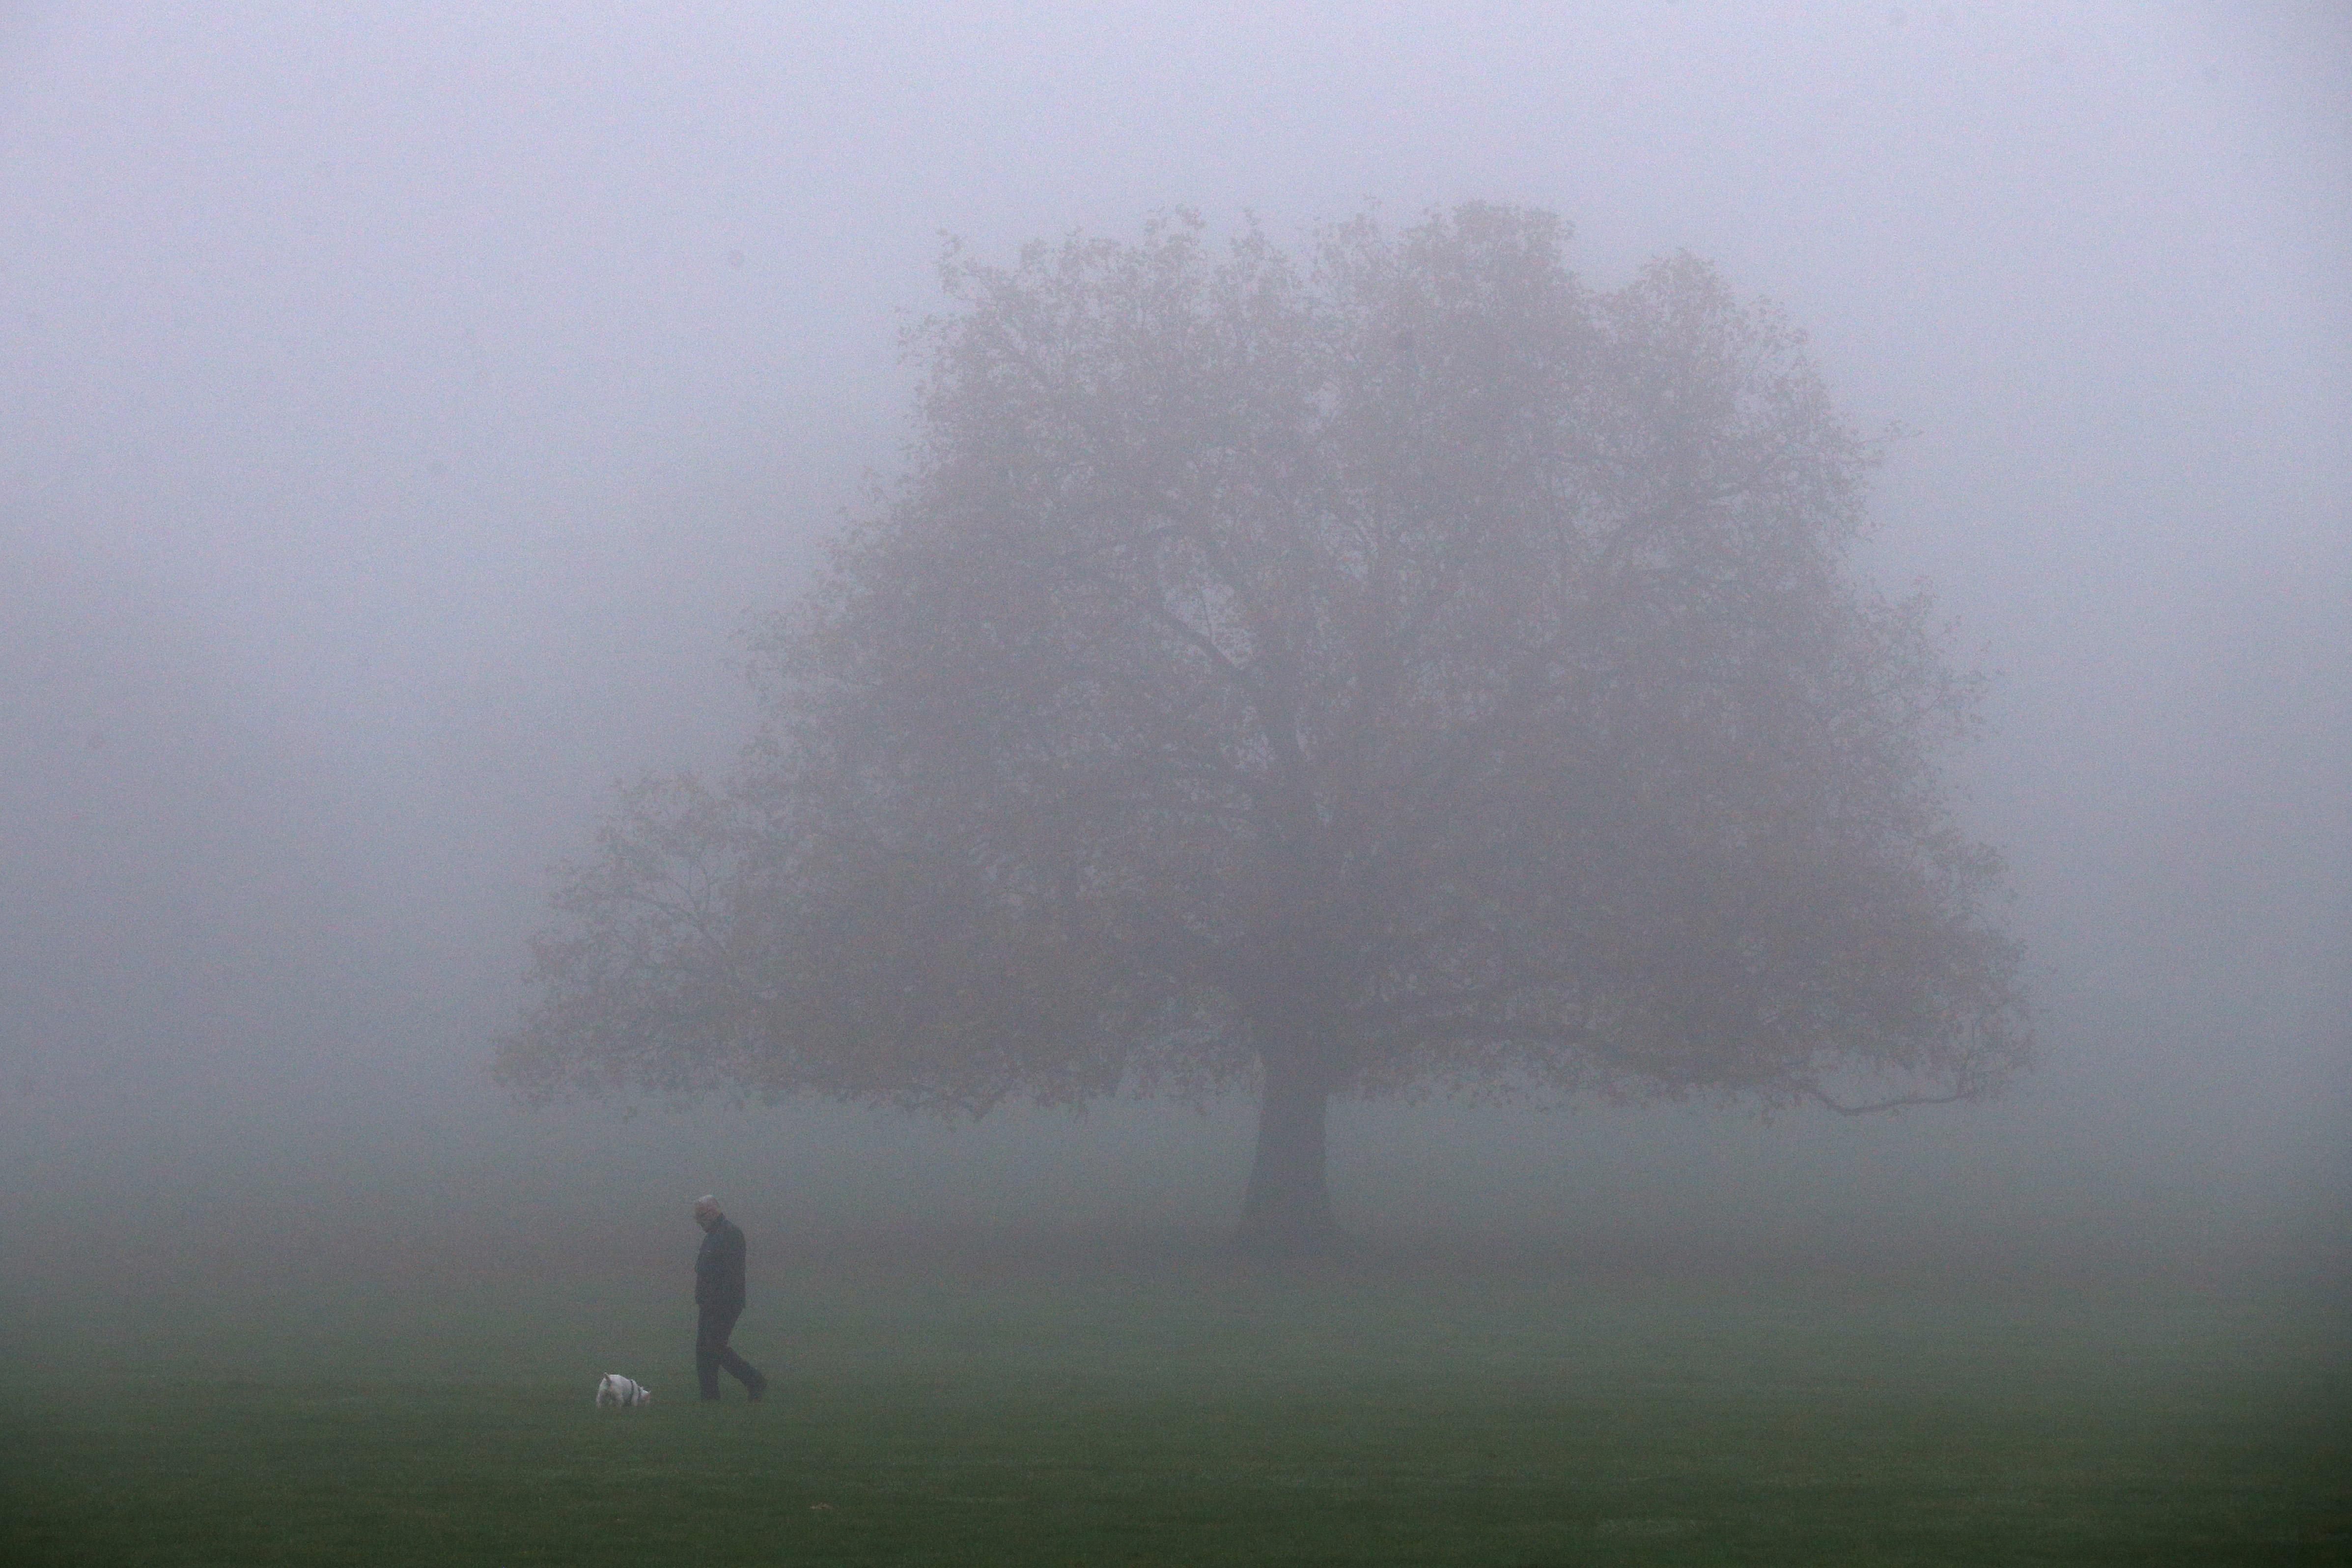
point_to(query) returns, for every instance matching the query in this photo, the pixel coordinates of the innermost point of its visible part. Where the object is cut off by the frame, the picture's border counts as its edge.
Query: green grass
(1188, 1412)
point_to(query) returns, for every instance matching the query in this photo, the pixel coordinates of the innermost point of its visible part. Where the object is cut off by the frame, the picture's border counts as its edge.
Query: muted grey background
(405, 408)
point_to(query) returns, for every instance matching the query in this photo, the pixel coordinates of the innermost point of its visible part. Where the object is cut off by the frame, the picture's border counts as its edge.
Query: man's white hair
(706, 1201)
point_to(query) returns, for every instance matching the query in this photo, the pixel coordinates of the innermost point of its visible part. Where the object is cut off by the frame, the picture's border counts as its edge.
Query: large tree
(1401, 668)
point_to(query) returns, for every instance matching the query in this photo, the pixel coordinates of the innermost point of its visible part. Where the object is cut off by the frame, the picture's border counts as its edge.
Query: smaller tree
(1402, 669)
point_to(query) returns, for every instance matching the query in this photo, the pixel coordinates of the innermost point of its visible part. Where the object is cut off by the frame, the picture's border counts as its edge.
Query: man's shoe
(757, 1392)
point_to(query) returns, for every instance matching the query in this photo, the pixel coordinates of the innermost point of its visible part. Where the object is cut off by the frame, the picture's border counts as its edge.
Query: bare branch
(1817, 1092)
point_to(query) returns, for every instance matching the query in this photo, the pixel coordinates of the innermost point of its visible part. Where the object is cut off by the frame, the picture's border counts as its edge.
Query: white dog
(618, 1391)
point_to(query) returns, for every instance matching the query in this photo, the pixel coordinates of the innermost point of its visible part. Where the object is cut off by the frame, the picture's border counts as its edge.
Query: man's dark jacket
(719, 1270)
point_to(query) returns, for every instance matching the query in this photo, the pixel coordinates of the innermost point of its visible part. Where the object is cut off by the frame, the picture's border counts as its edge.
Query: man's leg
(742, 1372)
(712, 1352)
(710, 1331)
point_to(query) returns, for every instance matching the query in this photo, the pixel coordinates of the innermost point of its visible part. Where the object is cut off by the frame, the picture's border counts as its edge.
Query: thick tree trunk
(1286, 1212)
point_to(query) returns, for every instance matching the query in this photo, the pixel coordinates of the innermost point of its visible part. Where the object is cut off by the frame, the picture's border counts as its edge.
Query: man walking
(718, 1302)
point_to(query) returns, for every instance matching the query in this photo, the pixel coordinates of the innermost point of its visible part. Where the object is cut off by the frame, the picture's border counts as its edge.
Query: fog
(408, 412)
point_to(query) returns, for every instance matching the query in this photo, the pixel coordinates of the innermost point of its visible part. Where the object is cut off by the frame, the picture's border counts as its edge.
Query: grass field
(1187, 1411)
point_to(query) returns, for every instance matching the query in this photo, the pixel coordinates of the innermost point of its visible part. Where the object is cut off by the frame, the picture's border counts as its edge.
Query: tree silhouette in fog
(1391, 669)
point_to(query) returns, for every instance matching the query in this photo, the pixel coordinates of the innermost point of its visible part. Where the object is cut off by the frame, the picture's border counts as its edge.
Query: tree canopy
(1393, 669)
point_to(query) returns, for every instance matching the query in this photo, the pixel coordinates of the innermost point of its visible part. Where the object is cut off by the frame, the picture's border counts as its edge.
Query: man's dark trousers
(712, 1353)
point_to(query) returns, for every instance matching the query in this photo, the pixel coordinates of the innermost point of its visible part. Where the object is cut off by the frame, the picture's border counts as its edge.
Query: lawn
(1191, 1411)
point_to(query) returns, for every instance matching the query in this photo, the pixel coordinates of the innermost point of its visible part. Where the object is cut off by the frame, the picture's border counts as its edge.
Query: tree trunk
(1286, 1212)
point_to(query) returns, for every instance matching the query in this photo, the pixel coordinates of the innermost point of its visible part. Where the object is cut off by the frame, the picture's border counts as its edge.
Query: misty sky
(405, 409)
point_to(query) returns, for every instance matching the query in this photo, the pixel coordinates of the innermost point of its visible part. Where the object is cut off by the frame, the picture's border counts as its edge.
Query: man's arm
(732, 1256)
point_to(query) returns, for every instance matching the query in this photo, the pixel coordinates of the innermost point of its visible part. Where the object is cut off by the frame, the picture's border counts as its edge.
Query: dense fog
(408, 412)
